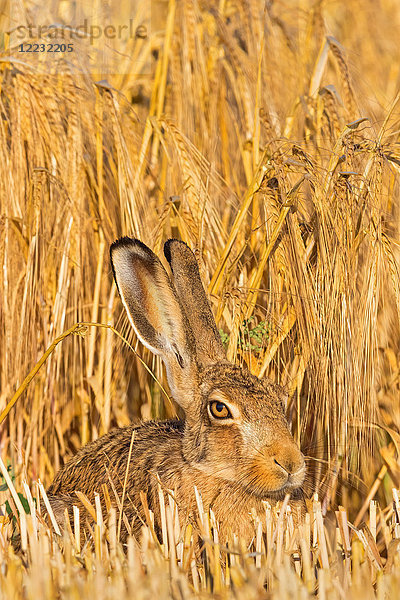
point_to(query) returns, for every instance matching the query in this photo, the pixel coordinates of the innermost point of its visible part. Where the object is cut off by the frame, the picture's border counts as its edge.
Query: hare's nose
(286, 468)
(289, 462)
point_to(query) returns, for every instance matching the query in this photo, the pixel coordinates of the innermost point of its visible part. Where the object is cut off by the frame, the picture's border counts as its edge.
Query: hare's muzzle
(291, 463)
(280, 466)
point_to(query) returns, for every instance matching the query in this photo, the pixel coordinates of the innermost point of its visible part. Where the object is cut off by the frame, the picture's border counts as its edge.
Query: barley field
(266, 136)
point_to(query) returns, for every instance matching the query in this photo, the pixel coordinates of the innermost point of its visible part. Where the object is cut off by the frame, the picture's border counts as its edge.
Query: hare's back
(105, 460)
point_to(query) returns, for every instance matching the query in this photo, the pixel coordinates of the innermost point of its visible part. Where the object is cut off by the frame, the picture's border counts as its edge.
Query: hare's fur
(235, 462)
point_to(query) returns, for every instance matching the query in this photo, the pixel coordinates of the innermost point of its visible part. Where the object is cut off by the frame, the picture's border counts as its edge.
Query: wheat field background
(266, 136)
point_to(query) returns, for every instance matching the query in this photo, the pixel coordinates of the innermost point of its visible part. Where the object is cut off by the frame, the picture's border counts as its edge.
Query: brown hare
(234, 444)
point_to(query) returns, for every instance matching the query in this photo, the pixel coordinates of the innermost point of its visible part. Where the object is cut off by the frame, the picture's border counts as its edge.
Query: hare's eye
(219, 410)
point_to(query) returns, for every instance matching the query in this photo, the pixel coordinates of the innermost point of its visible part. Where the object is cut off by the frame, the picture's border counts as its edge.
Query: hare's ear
(155, 314)
(186, 278)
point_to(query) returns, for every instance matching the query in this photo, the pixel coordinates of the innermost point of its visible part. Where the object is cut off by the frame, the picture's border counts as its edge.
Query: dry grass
(289, 561)
(267, 140)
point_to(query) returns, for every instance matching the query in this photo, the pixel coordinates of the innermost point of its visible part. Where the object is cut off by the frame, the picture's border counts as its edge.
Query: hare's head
(235, 424)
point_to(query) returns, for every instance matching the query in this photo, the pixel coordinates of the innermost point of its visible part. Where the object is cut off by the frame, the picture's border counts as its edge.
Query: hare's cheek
(254, 437)
(223, 439)
(225, 445)
(232, 442)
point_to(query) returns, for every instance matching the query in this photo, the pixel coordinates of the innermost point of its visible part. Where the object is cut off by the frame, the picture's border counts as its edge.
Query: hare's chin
(279, 493)
(275, 488)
